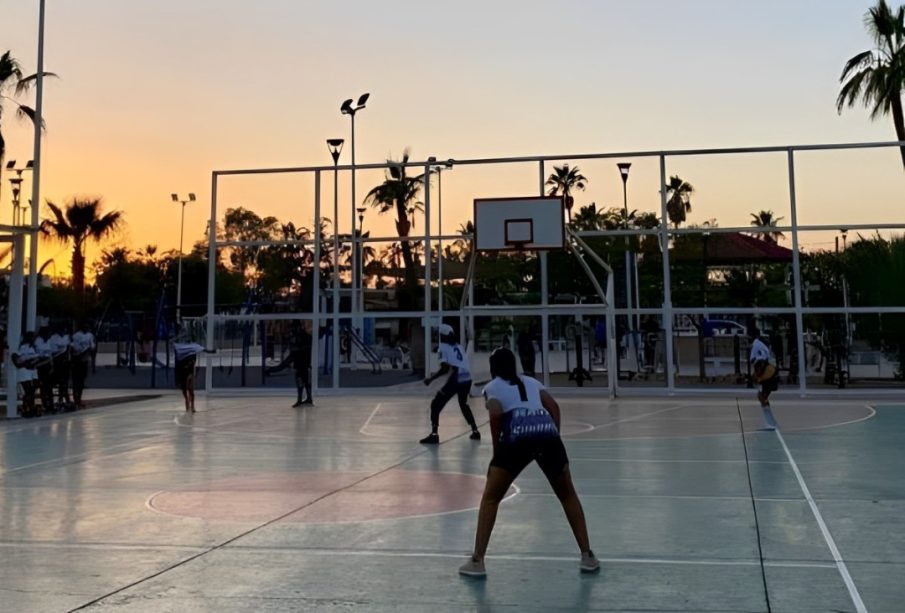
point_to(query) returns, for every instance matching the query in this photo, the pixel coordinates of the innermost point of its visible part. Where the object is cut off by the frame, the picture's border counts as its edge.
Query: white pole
(668, 371)
(336, 271)
(14, 324)
(796, 289)
(544, 288)
(211, 284)
(440, 241)
(179, 273)
(315, 290)
(32, 315)
(427, 269)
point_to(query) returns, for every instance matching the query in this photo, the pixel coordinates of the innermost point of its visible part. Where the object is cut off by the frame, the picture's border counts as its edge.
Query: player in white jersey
(59, 344)
(765, 372)
(524, 428)
(453, 361)
(83, 347)
(186, 354)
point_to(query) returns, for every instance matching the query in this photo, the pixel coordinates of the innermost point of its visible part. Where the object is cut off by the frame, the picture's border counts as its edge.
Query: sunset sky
(154, 95)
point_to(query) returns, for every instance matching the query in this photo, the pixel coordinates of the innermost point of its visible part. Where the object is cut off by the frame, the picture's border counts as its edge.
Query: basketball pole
(32, 314)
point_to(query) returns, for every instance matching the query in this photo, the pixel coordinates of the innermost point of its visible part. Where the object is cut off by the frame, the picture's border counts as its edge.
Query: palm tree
(678, 200)
(589, 218)
(876, 77)
(82, 221)
(765, 220)
(399, 193)
(11, 79)
(562, 181)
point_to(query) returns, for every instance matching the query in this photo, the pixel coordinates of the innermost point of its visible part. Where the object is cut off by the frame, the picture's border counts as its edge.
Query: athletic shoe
(589, 562)
(473, 568)
(308, 401)
(430, 439)
(475, 435)
(297, 404)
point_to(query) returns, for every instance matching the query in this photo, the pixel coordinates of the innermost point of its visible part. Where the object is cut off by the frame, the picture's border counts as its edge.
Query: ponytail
(502, 365)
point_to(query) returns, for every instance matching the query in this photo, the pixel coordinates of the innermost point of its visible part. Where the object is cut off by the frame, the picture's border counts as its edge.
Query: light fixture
(623, 170)
(335, 145)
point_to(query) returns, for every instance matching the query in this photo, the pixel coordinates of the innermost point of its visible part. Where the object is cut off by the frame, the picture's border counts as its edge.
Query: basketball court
(250, 505)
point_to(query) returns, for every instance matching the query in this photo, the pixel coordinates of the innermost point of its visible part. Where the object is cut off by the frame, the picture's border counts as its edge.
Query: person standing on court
(59, 344)
(186, 354)
(524, 427)
(83, 347)
(452, 361)
(300, 357)
(24, 359)
(765, 372)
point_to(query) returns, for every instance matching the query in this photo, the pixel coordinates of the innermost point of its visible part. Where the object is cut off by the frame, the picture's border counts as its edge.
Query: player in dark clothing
(299, 357)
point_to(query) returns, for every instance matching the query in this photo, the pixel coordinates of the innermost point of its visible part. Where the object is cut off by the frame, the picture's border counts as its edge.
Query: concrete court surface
(250, 505)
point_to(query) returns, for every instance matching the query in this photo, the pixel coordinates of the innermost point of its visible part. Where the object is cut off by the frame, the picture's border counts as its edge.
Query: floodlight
(363, 99)
(30, 164)
(191, 197)
(175, 197)
(11, 164)
(346, 107)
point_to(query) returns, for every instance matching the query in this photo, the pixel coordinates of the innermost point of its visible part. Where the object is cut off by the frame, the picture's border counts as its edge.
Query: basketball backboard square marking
(519, 231)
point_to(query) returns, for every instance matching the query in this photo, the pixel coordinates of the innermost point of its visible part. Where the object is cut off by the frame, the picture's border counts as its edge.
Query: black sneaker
(430, 439)
(297, 404)
(308, 400)
(475, 435)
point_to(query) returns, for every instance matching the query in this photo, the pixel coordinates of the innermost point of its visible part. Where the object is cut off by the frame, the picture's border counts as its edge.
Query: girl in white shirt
(24, 360)
(521, 411)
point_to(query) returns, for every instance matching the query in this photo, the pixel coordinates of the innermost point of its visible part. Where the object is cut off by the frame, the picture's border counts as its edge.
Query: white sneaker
(589, 562)
(473, 568)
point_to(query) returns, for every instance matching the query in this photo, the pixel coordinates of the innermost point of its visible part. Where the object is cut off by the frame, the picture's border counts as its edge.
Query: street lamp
(361, 256)
(16, 185)
(347, 109)
(623, 172)
(176, 199)
(448, 164)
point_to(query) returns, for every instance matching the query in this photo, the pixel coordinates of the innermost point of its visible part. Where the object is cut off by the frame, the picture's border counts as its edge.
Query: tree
(562, 181)
(242, 225)
(11, 79)
(399, 193)
(766, 220)
(678, 200)
(876, 77)
(81, 222)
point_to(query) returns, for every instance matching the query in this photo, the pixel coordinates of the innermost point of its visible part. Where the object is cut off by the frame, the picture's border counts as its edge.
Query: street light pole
(347, 109)
(335, 145)
(361, 259)
(623, 172)
(439, 170)
(32, 302)
(176, 199)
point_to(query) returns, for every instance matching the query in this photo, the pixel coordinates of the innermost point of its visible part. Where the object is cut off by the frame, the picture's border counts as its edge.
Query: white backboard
(507, 224)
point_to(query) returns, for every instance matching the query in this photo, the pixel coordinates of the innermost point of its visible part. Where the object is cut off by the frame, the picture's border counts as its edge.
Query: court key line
(837, 556)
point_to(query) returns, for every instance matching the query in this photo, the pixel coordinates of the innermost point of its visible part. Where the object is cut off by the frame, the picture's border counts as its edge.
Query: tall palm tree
(678, 200)
(767, 220)
(399, 193)
(876, 77)
(562, 181)
(12, 82)
(81, 222)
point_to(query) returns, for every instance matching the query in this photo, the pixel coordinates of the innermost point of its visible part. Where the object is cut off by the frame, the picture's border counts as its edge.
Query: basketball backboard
(511, 224)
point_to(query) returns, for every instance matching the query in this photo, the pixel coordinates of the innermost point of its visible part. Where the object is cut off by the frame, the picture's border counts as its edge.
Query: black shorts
(770, 385)
(184, 369)
(550, 455)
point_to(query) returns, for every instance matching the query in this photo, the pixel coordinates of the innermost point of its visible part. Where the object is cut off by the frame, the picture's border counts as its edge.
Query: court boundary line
(825, 531)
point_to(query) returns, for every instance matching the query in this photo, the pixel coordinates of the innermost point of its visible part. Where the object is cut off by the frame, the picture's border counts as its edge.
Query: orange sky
(154, 95)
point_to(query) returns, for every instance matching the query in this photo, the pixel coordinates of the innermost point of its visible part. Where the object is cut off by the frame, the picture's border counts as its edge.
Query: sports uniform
(452, 358)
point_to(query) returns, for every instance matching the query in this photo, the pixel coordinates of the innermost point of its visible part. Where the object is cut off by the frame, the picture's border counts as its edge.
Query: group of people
(47, 363)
